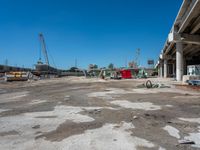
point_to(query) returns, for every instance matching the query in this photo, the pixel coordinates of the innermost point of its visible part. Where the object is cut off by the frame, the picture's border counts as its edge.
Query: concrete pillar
(179, 61)
(161, 70)
(165, 68)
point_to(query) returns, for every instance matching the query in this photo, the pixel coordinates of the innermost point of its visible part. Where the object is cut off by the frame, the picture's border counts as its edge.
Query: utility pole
(126, 62)
(76, 63)
(6, 62)
(6, 65)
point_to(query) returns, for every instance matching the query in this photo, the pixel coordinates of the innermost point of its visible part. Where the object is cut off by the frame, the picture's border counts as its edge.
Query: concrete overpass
(182, 47)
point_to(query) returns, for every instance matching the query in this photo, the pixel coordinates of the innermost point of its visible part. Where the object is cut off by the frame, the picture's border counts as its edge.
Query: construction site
(156, 107)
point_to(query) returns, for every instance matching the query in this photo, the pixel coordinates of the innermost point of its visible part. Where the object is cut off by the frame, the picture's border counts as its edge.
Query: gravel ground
(77, 113)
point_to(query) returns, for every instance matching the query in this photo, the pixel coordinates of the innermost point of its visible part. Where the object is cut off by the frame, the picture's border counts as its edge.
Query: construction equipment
(193, 70)
(142, 74)
(44, 50)
(194, 82)
(16, 76)
(45, 69)
(116, 75)
(193, 75)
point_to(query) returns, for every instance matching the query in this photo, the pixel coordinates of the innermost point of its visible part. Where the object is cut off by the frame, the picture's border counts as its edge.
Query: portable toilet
(126, 74)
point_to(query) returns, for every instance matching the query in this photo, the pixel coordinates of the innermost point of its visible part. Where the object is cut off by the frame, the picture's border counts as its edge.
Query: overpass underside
(182, 47)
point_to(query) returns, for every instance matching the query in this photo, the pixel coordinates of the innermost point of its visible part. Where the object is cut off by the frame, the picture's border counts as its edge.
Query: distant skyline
(84, 31)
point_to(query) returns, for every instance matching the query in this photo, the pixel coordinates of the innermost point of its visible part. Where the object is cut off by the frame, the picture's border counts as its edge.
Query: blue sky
(91, 31)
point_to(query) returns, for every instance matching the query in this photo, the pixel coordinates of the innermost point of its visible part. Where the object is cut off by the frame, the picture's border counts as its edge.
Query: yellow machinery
(16, 76)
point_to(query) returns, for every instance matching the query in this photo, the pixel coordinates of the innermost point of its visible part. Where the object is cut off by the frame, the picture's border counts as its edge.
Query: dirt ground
(78, 113)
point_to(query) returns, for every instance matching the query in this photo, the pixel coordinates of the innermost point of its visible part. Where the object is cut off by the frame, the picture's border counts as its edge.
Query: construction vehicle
(44, 50)
(16, 76)
(44, 68)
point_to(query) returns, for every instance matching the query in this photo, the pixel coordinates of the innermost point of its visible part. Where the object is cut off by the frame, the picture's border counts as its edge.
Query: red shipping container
(126, 74)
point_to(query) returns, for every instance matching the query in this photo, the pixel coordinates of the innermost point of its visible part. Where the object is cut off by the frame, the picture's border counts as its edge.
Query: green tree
(95, 66)
(111, 66)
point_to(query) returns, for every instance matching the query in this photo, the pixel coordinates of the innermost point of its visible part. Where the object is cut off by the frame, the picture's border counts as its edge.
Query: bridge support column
(179, 61)
(165, 68)
(161, 70)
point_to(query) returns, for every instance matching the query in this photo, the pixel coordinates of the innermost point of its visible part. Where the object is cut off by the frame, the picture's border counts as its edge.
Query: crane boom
(43, 46)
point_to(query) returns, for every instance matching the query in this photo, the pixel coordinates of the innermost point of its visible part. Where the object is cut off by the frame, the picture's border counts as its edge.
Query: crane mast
(137, 57)
(43, 46)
